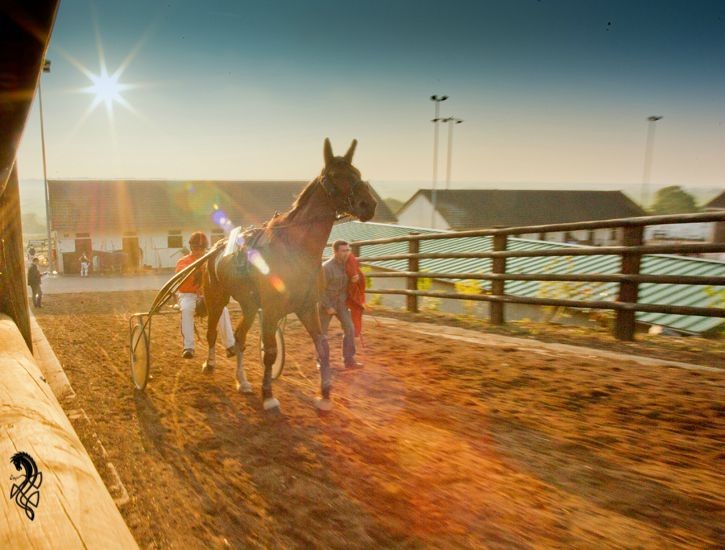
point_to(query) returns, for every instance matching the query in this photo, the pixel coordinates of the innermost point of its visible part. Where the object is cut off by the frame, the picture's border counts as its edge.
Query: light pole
(437, 100)
(451, 121)
(648, 157)
(46, 69)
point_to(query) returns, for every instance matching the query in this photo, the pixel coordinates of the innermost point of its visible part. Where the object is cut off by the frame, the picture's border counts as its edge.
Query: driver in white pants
(188, 296)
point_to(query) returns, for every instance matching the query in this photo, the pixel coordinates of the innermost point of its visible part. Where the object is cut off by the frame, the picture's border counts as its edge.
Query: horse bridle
(341, 208)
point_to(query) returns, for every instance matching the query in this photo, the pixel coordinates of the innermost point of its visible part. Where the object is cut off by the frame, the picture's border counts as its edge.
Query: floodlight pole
(437, 99)
(46, 69)
(652, 120)
(451, 121)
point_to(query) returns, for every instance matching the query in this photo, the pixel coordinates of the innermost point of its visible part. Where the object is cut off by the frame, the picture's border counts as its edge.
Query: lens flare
(219, 217)
(277, 283)
(255, 258)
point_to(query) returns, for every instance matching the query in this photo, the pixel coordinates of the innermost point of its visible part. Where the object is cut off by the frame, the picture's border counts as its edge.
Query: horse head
(23, 461)
(344, 185)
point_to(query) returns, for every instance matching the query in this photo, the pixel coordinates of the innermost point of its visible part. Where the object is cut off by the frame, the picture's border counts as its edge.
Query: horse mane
(300, 201)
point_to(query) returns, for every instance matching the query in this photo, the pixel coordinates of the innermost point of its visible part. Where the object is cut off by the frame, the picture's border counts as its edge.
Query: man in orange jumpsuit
(188, 296)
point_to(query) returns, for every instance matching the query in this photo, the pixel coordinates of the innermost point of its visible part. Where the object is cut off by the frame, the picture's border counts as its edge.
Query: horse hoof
(207, 368)
(271, 404)
(323, 405)
(244, 388)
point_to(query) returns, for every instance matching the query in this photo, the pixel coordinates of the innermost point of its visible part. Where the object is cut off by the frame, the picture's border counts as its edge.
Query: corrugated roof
(478, 208)
(137, 205)
(670, 294)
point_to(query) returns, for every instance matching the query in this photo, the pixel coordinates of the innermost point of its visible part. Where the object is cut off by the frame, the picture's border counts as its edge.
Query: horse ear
(327, 151)
(351, 151)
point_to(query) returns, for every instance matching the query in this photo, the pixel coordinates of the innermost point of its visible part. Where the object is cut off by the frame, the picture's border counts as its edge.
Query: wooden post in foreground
(74, 508)
(13, 286)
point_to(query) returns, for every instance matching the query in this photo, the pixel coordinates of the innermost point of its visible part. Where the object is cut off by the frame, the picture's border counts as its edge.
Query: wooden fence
(630, 251)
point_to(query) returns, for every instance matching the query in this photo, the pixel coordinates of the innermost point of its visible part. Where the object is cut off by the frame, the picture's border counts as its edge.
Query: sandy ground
(435, 443)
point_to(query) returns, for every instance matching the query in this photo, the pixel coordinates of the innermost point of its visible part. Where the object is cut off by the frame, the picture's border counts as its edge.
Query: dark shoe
(188, 354)
(354, 365)
(232, 351)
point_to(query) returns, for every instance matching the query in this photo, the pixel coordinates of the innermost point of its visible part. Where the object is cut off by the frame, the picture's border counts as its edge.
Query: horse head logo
(26, 493)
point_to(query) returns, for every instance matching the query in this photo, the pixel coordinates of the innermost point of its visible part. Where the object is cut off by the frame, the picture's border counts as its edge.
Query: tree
(673, 200)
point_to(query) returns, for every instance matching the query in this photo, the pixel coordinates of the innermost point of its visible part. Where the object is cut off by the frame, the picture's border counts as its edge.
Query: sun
(107, 89)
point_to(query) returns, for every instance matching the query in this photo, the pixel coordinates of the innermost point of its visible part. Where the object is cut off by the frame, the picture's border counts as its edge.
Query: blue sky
(550, 91)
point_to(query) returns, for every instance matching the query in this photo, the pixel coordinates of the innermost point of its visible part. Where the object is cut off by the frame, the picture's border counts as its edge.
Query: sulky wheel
(140, 357)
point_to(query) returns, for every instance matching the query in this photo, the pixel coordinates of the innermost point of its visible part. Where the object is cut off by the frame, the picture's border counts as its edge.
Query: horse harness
(252, 238)
(335, 194)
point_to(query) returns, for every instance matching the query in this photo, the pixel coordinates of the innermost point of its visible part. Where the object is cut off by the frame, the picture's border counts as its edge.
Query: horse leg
(214, 310)
(269, 331)
(311, 320)
(240, 335)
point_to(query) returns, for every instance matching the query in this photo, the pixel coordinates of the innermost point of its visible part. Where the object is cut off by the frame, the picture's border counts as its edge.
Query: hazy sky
(550, 91)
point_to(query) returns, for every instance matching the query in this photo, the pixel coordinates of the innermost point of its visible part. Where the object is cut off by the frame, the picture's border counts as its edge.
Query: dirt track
(436, 443)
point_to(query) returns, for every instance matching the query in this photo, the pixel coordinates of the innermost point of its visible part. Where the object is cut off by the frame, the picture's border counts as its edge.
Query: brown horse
(282, 274)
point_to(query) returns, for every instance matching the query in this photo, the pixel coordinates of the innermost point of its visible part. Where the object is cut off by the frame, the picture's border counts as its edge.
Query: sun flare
(106, 88)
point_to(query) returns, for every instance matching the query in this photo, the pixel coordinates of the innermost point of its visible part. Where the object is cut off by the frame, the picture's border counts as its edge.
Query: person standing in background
(34, 277)
(85, 263)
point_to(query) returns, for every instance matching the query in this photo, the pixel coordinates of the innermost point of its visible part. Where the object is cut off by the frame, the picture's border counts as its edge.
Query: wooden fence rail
(617, 223)
(562, 251)
(629, 278)
(594, 278)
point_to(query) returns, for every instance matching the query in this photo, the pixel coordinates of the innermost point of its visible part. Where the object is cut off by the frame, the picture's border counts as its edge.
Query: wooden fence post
(628, 290)
(412, 282)
(498, 286)
(13, 289)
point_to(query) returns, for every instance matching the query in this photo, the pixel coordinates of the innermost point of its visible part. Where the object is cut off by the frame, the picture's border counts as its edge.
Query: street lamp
(46, 69)
(451, 121)
(648, 157)
(437, 100)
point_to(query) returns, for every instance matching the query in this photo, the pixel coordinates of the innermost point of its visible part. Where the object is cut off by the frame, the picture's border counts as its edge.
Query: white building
(128, 225)
(464, 209)
(701, 231)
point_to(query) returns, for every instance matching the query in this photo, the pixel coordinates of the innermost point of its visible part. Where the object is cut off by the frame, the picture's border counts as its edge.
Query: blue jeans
(348, 339)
